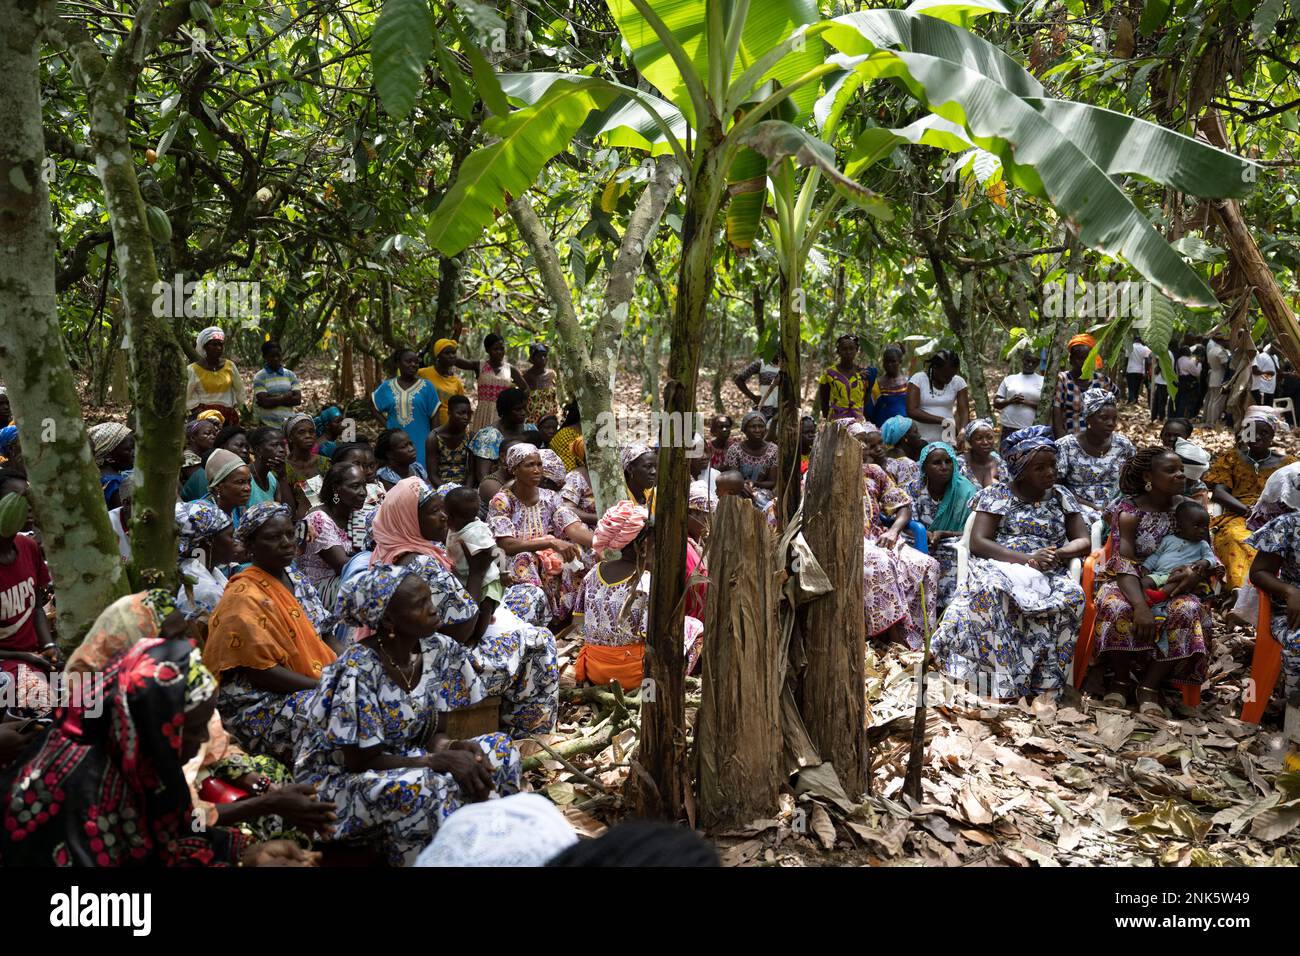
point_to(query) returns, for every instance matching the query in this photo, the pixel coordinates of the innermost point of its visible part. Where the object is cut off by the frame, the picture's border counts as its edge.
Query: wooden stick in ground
(912, 783)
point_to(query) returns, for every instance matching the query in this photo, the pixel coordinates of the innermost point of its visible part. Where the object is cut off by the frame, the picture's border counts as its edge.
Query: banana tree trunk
(787, 428)
(79, 543)
(662, 789)
(157, 362)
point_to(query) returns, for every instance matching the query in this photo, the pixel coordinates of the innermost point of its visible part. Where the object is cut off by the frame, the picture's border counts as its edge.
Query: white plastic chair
(1287, 407)
(963, 552)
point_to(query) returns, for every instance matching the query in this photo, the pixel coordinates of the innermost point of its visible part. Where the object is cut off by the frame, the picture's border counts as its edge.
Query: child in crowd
(472, 542)
(1189, 543)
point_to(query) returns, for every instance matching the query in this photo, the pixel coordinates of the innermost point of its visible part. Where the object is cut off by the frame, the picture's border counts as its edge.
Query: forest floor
(1065, 784)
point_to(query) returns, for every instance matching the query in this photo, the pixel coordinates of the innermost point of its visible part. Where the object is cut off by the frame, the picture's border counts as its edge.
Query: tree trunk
(157, 365)
(444, 314)
(1245, 251)
(738, 732)
(835, 640)
(79, 543)
(661, 790)
(347, 386)
(1062, 330)
(787, 418)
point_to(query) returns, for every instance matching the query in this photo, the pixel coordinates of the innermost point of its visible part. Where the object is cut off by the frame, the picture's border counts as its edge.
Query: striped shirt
(278, 382)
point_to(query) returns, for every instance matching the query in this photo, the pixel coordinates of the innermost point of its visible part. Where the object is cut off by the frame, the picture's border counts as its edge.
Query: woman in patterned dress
(613, 603)
(205, 541)
(447, 454)
(324, 547)
(901, 447)
(514, 658)
(372, 738)
(941, 502)
(893, 573)
(533, 527)
(495, 375)
(264, 642)
(577, 492)
(754, 457)
(1129, 641)
(1071, 387)
(540, 380)
(842, 391)
(1089, 462)
(980, 463)
(1010, 629)
(1276, 572)
(1236, 479)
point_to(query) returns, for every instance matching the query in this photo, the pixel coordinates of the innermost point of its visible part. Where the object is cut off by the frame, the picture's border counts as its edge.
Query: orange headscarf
(259, 624)
(396, 527)
(1083, 338)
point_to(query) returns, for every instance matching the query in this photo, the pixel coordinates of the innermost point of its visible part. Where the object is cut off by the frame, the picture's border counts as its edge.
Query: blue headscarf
(954, 508)
(365, 598)
(894, 429)
(8, 435)
(327, 415)
(1019, 447)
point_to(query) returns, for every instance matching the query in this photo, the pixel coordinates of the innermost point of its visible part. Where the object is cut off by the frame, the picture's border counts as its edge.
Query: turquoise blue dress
(409, 409)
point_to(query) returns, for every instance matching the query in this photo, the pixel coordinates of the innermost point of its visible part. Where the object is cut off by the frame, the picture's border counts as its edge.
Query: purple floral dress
(892, 579)
(508, 517)
(1187, 625)
(614, 614)
(1010, 630)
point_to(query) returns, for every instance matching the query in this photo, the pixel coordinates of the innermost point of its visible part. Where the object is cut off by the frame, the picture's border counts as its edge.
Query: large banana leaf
(627, 120)
(747, 184)
(1043, 159)
(527, 139)
(859, 34)
(1122, 144)
(777, 140)
(959, 12)
(767, 24)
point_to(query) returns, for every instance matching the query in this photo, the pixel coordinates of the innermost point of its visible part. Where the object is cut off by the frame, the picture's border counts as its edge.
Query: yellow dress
(447, 386)
(1244, 482)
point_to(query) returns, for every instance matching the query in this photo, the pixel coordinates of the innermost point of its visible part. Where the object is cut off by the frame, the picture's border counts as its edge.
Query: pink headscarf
(396, 527)
(619, 526)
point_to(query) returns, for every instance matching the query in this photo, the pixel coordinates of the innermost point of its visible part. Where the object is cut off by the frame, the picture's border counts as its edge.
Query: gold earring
(1148, 486)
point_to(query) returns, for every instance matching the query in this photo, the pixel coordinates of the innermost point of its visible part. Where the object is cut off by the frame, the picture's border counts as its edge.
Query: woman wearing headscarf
(1010, 629)
(301, 462)
(537, 531)
(893, 572)
(106, 785)
(941, 502)
(113, 448)
(213, 381)
(523, 829)
(577, 492)
(200, 439)
(613, 603)
(514, 659)
(1129, 641)
(329, 429)
(1236, 479)
(263, 638)
(1196, 462)
(980, 463)
(553, 471)
(442, 373)
(485, 445)
(230, 483)
(1089, 462)
(1067, 402)
(754, 457)
(373, 738)
(903, 443)
(206, 543)
(11, 449)
(640, 473)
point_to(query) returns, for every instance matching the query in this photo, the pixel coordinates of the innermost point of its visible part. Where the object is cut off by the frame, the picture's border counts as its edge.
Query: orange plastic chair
(1265, 664)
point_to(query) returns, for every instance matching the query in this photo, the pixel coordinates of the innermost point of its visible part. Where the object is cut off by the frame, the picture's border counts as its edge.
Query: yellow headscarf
(441, 344)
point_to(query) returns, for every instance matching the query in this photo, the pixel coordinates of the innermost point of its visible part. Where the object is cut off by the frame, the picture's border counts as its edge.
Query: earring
(1148, 487)
(336, 497)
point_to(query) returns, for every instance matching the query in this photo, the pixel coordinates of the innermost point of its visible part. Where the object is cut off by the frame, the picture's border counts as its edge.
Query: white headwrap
(520, 830)
(211, 334)
(1196, 460)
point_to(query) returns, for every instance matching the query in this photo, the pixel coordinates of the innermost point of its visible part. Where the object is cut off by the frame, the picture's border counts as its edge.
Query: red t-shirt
(19, 583)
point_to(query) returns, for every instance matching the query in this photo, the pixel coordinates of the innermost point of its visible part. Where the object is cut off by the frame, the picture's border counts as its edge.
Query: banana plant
(726, 70)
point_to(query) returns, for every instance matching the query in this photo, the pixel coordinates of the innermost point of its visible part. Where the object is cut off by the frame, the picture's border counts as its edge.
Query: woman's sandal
(1115, 699)
(1151, 706)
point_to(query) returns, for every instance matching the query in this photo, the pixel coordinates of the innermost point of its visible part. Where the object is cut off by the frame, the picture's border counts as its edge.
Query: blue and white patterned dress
(1009, 632)
(1001, 474)
(1094, 480)
(1281, 536)
(924, 508)
(358, 704)
(515, 659)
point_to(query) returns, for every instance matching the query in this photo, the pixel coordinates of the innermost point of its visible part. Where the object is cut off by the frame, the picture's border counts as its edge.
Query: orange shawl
(259, 624)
